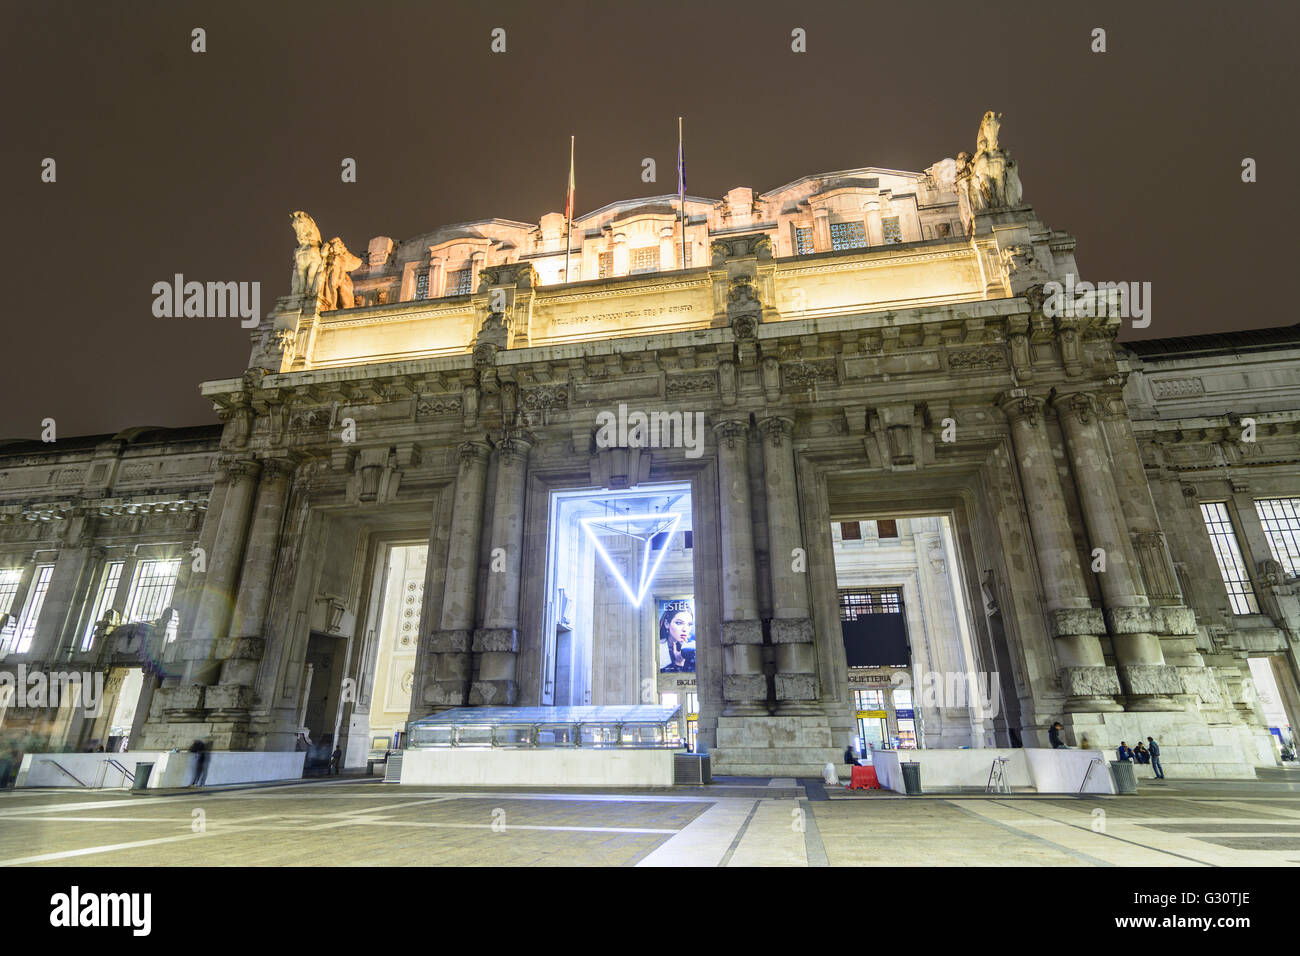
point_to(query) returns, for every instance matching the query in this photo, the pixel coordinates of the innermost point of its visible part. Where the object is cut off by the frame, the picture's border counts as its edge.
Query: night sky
(170, 161)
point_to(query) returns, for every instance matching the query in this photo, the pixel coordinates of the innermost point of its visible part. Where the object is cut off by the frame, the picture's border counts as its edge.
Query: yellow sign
(873, 713)
(692, 716)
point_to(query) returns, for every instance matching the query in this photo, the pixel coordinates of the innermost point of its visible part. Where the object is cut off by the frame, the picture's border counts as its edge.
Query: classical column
(450, 643)
(497, 641)
(744, 686)
(791, 629)
(1145, 678)
(264, 540)
(212, 615)
(1075, 624)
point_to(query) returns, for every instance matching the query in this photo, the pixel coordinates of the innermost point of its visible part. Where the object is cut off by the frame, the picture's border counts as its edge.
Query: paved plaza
(737, 822)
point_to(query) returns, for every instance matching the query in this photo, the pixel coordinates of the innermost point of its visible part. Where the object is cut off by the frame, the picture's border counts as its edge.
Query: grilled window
(605, 265)
(1232, 567)
(422, 286)
(644, 260)
(107, 594)
(458, 282)
(1281, 520)
(20, 638)
(893, 232)
(848, 235)
(803, 241)
(151, 593)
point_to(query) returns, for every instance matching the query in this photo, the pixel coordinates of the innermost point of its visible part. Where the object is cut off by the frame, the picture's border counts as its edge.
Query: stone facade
(862, 341)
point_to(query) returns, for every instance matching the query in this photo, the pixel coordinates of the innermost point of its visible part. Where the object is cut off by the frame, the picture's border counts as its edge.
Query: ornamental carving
(731, 431)
(1080, 405)
(544, 398)
(690, 384)
(745, 328)
(470, 452)
(777, 430)
(808, 374)
(1027, 409)
(741, 292)
(434, 406)
(977, 360)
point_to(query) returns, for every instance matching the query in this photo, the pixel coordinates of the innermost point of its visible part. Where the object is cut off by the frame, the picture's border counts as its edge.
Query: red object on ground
(864, 778)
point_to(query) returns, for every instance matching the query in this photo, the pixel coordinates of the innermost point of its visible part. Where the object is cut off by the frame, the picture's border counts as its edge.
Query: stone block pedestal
(1189, 748)
(781, 746)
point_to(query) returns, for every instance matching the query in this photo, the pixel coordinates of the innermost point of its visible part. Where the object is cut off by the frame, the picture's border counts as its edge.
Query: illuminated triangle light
(647, 572)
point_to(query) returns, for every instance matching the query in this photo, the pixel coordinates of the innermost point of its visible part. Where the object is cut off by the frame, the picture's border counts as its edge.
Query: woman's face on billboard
(679, 626)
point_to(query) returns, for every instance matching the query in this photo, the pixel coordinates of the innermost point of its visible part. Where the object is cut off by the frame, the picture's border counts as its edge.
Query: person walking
(1054, 736)
(1123, 752)
(1153, 748)
(336, 758)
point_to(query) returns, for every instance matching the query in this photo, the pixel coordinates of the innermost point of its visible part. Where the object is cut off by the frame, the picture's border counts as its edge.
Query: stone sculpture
(991, 178)
(336, 290)
(308, 261)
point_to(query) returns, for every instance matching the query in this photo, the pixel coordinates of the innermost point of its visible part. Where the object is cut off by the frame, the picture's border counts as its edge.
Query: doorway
(619, 620)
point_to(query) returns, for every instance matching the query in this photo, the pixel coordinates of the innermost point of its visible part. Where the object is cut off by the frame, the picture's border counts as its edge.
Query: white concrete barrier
(90, 770)
(1046, 771)
(457, 767)
(169, 769)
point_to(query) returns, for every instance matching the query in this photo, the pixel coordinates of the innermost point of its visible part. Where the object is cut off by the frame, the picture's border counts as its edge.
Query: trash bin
(1121, 772)
(141, 779)
(911, 777)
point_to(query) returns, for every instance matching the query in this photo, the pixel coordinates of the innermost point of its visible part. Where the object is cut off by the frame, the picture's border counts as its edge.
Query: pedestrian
(1054, 736)
(848, 754)
(1140, 754)
(201, 770)
(1083, 743)
(1123, 752)
(335, 759)
(1154, 749)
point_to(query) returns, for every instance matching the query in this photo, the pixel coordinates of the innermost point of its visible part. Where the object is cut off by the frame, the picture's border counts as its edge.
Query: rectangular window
(893, 233)
(855, 604)
(458, 282)
(26, 627)
(850, 531)
(1232, 567)
(605, 265)
(422, 286)
(888, 528)
(803, 241)
(689, 255)
(1281, 520)
(107, 595)
(9, 579)
(848, 235)
(644, 260)
(868, 700)
(151, 592)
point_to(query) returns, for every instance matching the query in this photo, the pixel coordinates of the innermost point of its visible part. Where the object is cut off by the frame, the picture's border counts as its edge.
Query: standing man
(1123, 752)
(1153, 749)
(335, 759)
(200, 749)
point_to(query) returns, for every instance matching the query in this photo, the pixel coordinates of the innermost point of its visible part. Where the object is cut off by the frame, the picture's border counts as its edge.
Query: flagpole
(681, 186)
(568, 225)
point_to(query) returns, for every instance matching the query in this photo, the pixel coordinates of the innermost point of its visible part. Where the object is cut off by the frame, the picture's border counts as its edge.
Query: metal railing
(64, 769)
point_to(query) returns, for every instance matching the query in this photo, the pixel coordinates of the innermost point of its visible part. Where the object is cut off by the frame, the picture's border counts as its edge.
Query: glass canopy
(630, 726)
